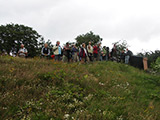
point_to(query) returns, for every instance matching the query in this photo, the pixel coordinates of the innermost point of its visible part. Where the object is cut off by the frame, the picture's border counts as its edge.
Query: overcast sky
(137, 21)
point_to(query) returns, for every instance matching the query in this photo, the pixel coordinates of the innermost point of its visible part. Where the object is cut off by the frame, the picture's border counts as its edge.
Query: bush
(156, 65)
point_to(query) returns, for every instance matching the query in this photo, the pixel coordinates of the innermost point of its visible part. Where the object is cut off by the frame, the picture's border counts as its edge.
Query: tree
(85, 38)
(121, 45)
(50, 45)
(41, 45)
(152, 56)
(13, 35)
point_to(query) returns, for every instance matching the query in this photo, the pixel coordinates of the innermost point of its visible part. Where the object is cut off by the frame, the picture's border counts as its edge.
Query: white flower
(66, 116)
(127, 83)
(101, 83)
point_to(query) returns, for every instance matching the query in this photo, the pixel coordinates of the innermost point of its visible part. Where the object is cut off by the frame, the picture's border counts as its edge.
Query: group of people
(72, 53)
(84, 53)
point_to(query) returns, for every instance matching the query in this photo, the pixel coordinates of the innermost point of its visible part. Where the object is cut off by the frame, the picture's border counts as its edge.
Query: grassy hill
(45, 90)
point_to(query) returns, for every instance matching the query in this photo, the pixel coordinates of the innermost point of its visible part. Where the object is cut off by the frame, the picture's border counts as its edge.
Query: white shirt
(85, 51)
(90, 50)
(22, 51)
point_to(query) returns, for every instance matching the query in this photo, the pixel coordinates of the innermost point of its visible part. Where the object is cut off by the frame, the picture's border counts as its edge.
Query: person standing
(83, 53)
(90, 51)
(66, 53)
(127, 56)
(103, 54)
(107, 54)
(122, 56)
(74, 53)
(57, 51)
(45, 52)
(22, 51)
(99, 52)
(114, 53)
(95, 52)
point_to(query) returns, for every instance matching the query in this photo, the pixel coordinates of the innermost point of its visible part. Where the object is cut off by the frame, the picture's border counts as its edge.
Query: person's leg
(101, 58)
(75, 57)
(106, 58)
(59, 57)
(82, 60)
(68, 58)
(97, 57)
(56, 57)
(64, 58)
(87, 59)
(94, 57)
(91, 58)
(126, 59)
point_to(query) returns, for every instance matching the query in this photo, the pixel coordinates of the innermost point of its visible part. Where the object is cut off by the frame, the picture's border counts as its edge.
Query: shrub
(156, 66)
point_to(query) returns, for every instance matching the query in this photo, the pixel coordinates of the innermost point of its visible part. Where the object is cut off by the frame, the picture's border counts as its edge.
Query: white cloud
(137, 21)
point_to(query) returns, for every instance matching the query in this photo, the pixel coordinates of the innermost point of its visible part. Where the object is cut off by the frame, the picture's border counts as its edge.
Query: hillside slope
(45, 90)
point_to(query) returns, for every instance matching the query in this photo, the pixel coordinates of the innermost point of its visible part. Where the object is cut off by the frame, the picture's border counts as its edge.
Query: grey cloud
(65, 19)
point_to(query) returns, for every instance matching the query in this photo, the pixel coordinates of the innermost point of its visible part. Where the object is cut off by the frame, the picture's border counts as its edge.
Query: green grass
(39, 89)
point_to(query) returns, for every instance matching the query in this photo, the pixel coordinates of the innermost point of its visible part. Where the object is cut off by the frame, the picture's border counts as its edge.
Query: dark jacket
(82, 53)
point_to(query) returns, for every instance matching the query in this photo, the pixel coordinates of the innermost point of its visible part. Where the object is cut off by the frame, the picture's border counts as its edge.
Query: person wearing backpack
(57, 51)
(45, 52)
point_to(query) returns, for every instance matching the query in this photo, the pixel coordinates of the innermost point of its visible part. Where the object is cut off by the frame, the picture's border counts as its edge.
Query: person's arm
(26, 52)
(64, 48)
(55, 48)
(20, 51)
(49, 51)
(105, 52)
(42, 51)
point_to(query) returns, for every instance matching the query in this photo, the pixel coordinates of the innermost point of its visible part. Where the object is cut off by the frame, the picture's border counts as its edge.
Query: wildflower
(151, 107)
(12, 70)
(127, 83)
(86, 76)
(66, 116)
(72, 118)
(101, 84)
(4, 108)
(71, 105)
(104, 112)
(89, 97)
(120, 118)
(121, 98)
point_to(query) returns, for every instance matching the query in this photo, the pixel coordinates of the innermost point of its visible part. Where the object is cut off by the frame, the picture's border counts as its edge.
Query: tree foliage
(85, 38)
(42, 42)
(156, 66)
(152, 56)
(121, 45)
(13, 35)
